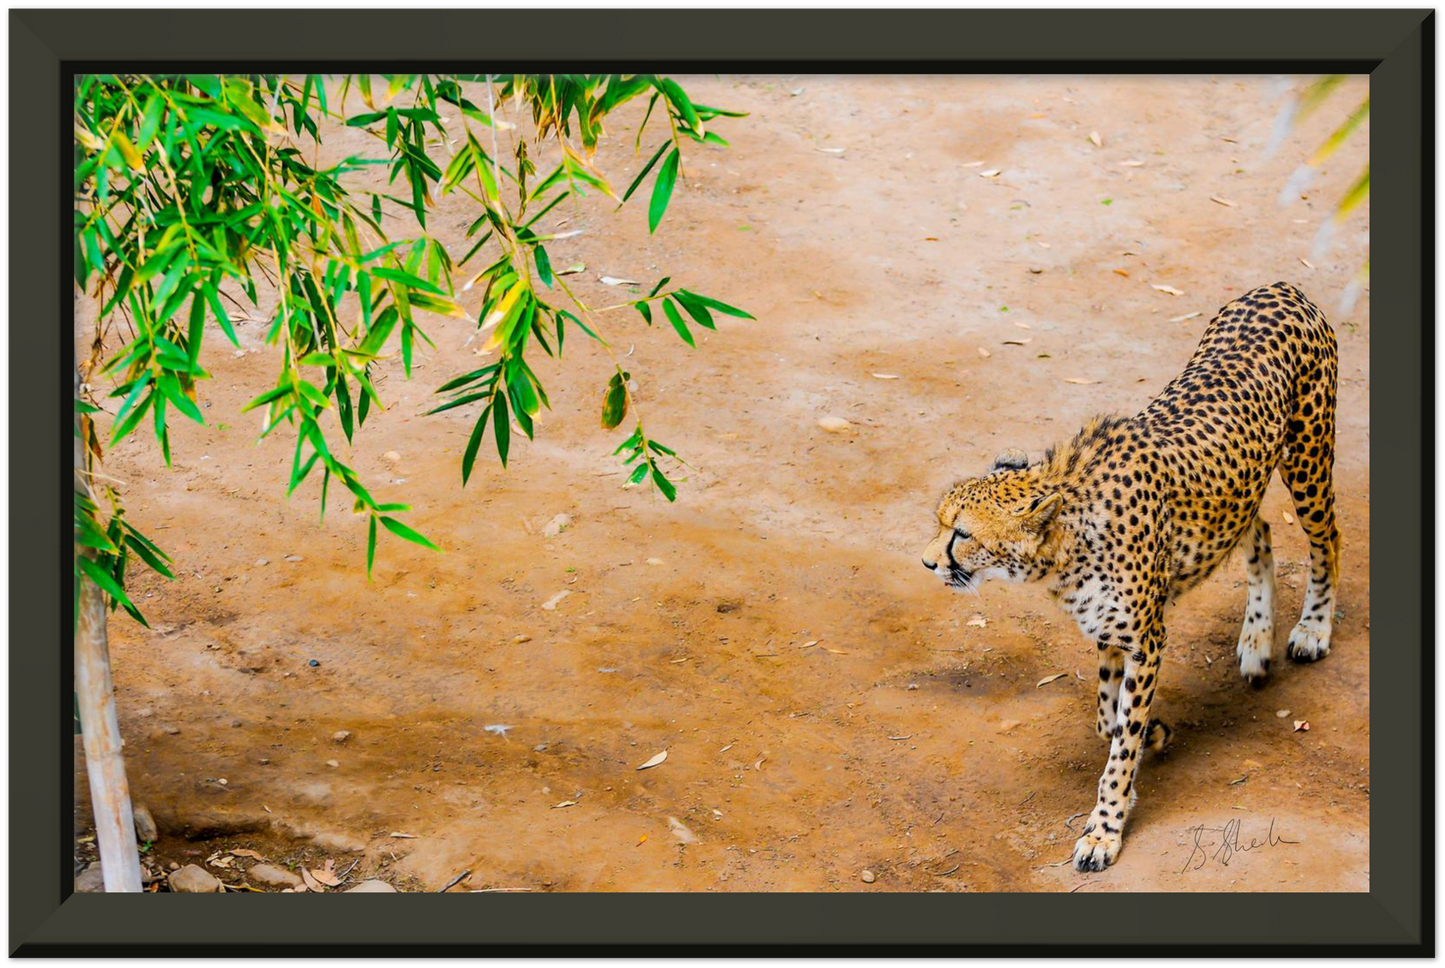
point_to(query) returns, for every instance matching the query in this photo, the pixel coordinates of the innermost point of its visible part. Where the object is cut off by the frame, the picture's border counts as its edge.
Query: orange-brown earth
(913, 740)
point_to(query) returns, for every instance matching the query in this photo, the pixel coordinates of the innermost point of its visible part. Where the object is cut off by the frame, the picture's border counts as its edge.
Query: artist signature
(1222, 843)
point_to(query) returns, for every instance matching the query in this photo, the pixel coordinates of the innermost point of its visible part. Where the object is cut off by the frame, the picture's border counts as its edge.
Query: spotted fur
(1135, 511)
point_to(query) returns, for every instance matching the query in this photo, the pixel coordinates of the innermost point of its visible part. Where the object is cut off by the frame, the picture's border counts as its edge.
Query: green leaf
(478, 432)
(614, 403)
(695, 309)
(675, 318)
(645, 310)
(645, 169)
(362, 120)
(370, 546)
(544, 266)
(662, 190)
(105, 581)
(501, 427)
(658, 288)
(148, 556)
(267, 397)
(667, 488)
(721, 307)
(402, 531)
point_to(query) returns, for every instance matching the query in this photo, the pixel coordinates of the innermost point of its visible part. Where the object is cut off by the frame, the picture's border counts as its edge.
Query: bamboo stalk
(100, 728)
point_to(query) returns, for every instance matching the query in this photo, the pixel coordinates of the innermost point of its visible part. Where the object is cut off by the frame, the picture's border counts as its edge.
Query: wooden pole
(100, 725)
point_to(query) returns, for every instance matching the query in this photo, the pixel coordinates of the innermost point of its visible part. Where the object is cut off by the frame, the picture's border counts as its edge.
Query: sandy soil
(912, 739)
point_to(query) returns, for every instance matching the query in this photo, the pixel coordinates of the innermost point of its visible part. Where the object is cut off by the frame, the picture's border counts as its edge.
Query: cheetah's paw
(1255, 644)
(1157, 738)
(1308, 643)
(1096, 850)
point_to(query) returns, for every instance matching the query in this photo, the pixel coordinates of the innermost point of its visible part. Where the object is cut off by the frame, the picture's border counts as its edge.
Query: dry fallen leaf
(808, 644)
(312, 884)
(1021, 324)
(1180, 319)
(991, 173)
(326, 877)
(836, 651)
(1079, 380)
(1008, 725)
(831, 151)
(1095, 140)
(654, 761)
(978, 622)
(1131, 163)
(759, 764)
(641, 840)
(727, 747)
(1301, 725)
(1169, 289)
(1048, 679)
(401, 836)
(984, 353)
(1122, 272)
(242, 852)
(1288, 518)
(1222, 201)
(885, 376)
(1044, 245)
(564, 803)
(614, 281)
(1018, 342)
(973, 164)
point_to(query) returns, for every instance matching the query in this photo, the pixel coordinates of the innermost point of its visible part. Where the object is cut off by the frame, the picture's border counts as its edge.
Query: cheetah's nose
(930, 565)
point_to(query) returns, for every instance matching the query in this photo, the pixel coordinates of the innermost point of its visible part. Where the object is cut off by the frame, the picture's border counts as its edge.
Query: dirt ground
(854, 217)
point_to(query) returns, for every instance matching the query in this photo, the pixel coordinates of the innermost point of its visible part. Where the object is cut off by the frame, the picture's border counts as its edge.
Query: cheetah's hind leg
(1256, 637)
(1308, 472)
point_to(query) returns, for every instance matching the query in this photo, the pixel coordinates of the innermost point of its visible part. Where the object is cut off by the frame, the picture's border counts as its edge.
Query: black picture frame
(1396, 918)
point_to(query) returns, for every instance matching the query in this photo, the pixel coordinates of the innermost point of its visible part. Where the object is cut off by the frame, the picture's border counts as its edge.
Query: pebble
(235, 724)
(391, 457)
(170, 730)
(263, 562)
(145, 825)
(333, 764)
(273, 876)
(1036, 269)
(551, 603)
(294, 558)
(868, 877)
(557, 525)
(90, 880)
(654, 561)
(372, 887)
(834, 425)
(174, 866)
(340, 736)
(195, 880)
(1282, 713)
(313, 663)
(519, 639)
(680, 831)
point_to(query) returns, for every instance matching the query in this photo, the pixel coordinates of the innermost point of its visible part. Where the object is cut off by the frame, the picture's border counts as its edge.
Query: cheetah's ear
(1012, 459)
(1038, 513)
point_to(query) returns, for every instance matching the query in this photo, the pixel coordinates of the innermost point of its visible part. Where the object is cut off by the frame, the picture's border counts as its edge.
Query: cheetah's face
(990, 527)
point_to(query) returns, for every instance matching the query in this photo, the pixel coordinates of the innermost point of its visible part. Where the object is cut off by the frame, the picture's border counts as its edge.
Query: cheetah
(1136, 511)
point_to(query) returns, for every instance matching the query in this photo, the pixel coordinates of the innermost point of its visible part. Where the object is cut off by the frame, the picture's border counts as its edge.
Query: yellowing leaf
(1095, 140)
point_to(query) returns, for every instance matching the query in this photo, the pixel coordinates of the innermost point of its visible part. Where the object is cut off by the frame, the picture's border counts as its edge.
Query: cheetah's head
(992, 526)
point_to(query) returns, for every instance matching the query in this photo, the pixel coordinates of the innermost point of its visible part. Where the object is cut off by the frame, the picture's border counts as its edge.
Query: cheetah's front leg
(1256, 636)
(1103, 835)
